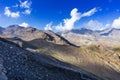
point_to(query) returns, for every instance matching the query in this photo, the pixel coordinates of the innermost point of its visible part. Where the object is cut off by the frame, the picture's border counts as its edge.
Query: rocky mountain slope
(96, 59)
(19, 64)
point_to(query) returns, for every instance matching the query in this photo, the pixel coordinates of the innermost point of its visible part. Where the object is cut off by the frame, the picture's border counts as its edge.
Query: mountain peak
(31, 33)
(12, 26)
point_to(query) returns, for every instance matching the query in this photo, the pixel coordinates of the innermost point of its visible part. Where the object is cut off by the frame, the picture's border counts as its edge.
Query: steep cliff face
(19, 64)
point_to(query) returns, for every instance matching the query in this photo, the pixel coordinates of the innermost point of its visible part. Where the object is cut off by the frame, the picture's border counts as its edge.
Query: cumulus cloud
(48, 26)
(68, 24)
(9, 13)
(24, 24)
(116, 23)
(23, 8)
(95, 25)
(25, 4)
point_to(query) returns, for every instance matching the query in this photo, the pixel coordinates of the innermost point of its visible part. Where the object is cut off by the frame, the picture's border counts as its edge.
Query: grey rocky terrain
(19, 64)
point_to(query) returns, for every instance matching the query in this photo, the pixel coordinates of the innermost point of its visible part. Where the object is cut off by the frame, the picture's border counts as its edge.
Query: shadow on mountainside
(20, 64)
(62, 38)
(52, 64)
(36, 43)
(103, 72)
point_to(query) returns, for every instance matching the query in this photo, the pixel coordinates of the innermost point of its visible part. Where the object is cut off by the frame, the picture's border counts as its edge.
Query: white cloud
(24, 7)
(68, 24)
(48, 26)
(95, 25)
(27, 11)
(10, 13)
(25, 4)
(116, 23)
(24, 24)
(89, 13)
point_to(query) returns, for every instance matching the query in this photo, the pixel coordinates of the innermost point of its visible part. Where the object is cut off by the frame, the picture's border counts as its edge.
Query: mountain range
(93, 53)
(85, 36)
(31, 33)
(105, 32)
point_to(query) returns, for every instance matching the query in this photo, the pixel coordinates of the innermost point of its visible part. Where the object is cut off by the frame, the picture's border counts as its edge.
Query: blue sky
(56, 14)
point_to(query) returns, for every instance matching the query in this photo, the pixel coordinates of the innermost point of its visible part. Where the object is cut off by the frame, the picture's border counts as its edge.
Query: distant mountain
(82, 31)
(31, 33)
(111, 32)
(86, 37)
(28, 33)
